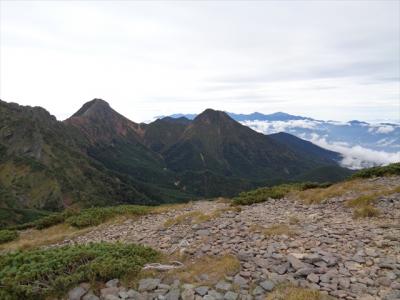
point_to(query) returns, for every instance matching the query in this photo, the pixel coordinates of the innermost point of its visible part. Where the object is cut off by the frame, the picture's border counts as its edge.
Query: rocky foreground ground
(316, 246)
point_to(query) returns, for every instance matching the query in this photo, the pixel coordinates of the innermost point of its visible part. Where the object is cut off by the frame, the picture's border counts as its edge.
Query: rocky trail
(319, 246)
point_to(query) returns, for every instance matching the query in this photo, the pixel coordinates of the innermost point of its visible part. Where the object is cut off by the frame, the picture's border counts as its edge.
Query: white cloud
(357, 157)
(387, 142)
(354, 157)
(269, 127)
(383, 129)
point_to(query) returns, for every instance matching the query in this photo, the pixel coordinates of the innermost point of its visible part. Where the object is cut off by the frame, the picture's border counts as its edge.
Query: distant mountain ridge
(256, 116)
(99, 157)
(361, 143)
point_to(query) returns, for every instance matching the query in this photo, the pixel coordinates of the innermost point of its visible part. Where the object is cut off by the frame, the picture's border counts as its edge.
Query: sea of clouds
(354, 156)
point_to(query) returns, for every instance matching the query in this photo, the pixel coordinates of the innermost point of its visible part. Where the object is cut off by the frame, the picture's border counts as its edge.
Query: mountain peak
(211, 116)
(101, 122)
(92, 107)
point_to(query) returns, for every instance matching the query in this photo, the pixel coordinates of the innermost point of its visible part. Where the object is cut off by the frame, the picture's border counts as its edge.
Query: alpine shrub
(7, 235)
(38, 274)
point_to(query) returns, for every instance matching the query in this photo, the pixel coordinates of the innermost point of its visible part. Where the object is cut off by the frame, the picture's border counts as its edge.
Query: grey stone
(394, 295)
(201, 290)
(395, 285)
(110, 297)
(258, 291)
(76, 293)
(148, 284)
(176, 284)
(215, 294)
(244, 256)
(109, 291)
(371, 252)
(135, 295)
(208, 297)
(330, 260)
(173, 294)
(267, 285)
(295, 262)
(188, 286)
(223, 286)
(313, 277)
(326, 278)
(358, 259)
(163, 286)
(312, 258)
(384, 281)
(203, 232)
(303, 272)
(281, 269)
(187, 294)
(90, 296)
(344, 283)
(245, 297)
(112, 283)
(123, 294)
(358, 288)
(230, 295)
(239, 280)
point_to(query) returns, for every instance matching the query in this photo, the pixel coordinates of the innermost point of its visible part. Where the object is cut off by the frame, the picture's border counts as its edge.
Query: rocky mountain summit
(318, 246)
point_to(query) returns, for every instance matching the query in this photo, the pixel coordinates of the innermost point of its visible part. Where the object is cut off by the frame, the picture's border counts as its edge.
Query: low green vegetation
(95, 216)
(392, 169)
(274, 192)
(7, 235)
(43, 222)
(86, 217)
(38, 274)
(14, 217)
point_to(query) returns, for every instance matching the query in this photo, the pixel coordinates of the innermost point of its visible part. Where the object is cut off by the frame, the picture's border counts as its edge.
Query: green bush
(7, 235)
(84, 218)
(392, 169)
(274, 192)
(38, 274)
(313, 185)
(49, 221)
(98, 215)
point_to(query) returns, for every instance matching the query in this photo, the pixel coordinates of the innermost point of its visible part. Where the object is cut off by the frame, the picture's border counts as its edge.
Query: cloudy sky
(324, 59)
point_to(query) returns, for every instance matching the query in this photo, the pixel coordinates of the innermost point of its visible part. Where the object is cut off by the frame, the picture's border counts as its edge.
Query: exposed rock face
(332, 252)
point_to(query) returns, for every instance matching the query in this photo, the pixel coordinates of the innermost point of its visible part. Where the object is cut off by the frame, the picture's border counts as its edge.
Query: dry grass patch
(363, 205)
(223, 200)
(289, 292)
(367, 211)
(293, 220)
(216, 268)
(278, 229)
(34, 238)
(193, 217)
(169, 207)
(358, 186)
